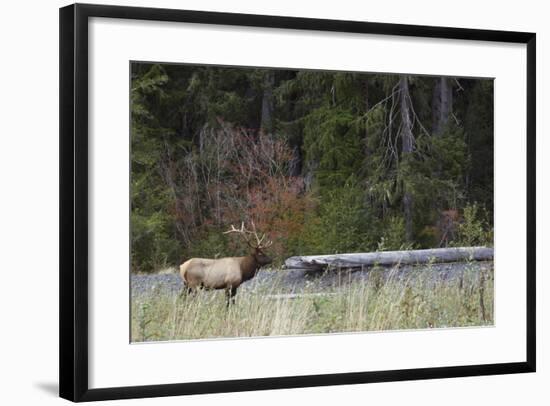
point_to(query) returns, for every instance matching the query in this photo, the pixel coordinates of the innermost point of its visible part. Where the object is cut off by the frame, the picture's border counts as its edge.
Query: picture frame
(75, 194)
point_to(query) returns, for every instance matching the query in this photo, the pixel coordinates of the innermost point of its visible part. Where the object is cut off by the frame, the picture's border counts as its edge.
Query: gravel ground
(294, 279)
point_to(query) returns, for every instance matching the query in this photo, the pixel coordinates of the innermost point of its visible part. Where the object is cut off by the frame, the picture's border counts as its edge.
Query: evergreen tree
(325, 161)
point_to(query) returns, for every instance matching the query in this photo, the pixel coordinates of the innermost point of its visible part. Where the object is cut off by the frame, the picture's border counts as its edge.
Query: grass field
(385, 300)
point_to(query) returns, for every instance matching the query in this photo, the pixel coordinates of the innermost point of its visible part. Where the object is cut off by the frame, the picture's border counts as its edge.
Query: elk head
(256, 243)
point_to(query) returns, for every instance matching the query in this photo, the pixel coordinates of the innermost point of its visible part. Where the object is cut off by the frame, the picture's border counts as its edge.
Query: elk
(227, 273)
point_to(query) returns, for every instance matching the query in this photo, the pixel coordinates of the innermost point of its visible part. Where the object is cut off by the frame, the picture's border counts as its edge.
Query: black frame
(73, 254)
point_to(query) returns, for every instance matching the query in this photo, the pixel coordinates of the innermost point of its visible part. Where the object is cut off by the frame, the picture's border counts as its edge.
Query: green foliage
(211, 243)
(478, 110)
(153, 243)
(152, 228)
(393, 235)
(475, 229)
(333, 146)
(340, 224)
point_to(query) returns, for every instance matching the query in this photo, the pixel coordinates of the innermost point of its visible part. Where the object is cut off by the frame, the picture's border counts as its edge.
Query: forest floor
(290, 302)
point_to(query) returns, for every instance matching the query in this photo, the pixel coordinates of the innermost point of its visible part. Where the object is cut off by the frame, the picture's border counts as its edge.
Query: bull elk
(227, 273)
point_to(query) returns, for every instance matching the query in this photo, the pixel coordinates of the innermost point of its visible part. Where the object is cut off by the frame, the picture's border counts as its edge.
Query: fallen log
(385, 258)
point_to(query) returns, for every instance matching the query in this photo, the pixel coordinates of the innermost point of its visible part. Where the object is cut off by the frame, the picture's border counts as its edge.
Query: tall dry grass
(386, 300)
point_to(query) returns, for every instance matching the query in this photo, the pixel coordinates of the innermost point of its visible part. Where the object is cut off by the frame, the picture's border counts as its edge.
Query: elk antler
(267, 244)
(243, 231)
(259, 241)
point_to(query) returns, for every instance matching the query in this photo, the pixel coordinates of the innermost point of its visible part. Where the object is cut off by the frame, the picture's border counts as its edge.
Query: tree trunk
(386, 258)
(442, 104)
(267, 102)
(296, 162)
(407, 139)
(366, 141)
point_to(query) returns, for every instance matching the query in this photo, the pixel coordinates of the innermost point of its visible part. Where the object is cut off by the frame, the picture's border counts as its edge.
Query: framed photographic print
(257, 202)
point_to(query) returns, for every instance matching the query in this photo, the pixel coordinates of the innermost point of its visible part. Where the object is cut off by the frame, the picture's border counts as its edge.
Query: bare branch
(458, 84)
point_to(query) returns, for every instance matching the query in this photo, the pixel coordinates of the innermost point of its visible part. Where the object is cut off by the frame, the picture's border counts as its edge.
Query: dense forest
(324, 162)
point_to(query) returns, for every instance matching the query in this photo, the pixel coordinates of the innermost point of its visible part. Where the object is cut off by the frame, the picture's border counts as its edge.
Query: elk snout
(262, 259)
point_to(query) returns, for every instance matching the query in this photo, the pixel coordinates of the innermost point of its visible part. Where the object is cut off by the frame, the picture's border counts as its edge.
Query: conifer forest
(323, 162)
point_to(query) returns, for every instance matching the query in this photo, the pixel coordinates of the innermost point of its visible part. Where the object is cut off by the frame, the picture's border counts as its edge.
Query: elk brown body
(225, 273)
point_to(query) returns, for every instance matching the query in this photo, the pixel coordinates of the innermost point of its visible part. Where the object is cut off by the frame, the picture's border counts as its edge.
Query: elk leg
(230, 296)
(187, 291)
(227, 297)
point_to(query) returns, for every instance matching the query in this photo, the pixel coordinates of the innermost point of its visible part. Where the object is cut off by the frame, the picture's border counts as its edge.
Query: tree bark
(385, 258)
(407, 139)
(267, 102)
(442, 104)
(366, 141)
